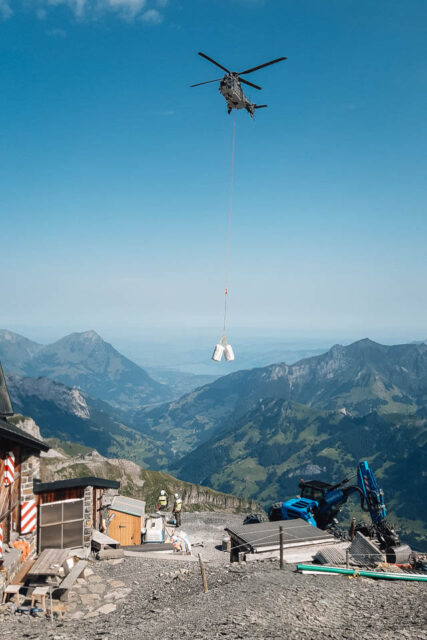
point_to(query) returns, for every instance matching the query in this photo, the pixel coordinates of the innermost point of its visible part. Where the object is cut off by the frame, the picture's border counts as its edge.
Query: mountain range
(71, 414)
(253, 432)
(264, 454)
(356, 379)
(87, 362)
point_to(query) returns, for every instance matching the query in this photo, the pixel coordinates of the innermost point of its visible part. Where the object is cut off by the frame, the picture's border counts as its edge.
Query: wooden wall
(61, 494)
(125, 528)
(10, 496)
(97, 508)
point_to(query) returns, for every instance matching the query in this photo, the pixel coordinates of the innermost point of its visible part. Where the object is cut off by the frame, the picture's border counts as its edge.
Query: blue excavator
(320, 502)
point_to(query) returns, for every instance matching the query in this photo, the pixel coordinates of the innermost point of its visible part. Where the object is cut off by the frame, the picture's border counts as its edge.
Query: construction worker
(162, 503)
(176, 510)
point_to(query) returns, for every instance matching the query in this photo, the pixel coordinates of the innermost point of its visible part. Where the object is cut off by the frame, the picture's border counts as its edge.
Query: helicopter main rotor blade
(206, 82)
(266, 64)
(251, 84)
(213, 61)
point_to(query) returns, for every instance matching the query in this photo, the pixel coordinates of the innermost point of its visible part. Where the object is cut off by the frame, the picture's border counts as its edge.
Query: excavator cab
(314, 489)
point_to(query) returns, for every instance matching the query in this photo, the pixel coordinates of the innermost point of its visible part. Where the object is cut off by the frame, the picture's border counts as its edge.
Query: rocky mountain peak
(90, 335)
(27, 424)
(9, 336)
(86, 361)
(83, 341)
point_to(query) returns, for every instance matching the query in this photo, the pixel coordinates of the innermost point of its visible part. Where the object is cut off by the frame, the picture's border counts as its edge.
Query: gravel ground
(256, 600)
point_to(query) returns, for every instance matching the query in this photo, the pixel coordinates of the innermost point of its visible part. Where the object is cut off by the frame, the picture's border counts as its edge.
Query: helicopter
(230, 86)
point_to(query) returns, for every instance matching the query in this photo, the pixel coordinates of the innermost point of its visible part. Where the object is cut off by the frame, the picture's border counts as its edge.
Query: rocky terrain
(70, 460)
(140, 598)
(139, 483)
(71, 414)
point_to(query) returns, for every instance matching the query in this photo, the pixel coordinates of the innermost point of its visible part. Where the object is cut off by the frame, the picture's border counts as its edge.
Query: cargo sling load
(230, 87)
(222, 348)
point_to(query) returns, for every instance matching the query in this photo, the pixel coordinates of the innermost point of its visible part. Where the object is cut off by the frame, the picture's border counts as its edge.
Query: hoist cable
(230, 213)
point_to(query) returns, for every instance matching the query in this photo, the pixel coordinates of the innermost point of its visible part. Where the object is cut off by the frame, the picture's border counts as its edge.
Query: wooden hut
(126, 520)
(71, 509)
(19, 467)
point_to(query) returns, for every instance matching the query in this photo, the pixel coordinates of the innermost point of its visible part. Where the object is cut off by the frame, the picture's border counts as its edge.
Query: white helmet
(176, 495)
(162, 492)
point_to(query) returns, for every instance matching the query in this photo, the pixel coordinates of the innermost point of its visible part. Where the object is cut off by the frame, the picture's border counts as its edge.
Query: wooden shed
(70, 509)
(19, 466)
(126, 520)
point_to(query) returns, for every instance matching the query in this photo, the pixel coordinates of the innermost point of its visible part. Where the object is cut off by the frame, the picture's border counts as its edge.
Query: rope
(230, 212)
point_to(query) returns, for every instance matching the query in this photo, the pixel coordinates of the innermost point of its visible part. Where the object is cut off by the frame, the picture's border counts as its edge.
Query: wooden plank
(100, 540)
(4, 515)
(74, 574)
(110, 554)
(44, 565)
(149, 547)
(167, 556)
(23, 571)
(40, 591)
(59, 495)
(15, 492)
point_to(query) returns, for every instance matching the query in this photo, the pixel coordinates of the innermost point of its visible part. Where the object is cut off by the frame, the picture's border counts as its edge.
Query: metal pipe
(366, 574)
(281, 546)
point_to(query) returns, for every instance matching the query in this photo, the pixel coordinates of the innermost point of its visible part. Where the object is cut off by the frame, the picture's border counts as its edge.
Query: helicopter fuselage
(232, 91)
(230, 85)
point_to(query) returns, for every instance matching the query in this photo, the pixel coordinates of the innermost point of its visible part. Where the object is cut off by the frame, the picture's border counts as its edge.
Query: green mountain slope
(265, 453)
(68, 460)
(360, 378)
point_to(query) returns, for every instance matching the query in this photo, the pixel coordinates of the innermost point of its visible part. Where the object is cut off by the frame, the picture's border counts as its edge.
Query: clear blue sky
(114, 174)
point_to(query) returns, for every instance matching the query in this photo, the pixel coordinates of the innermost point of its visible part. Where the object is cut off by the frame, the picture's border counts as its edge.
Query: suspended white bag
(228, 352)
(218, 352)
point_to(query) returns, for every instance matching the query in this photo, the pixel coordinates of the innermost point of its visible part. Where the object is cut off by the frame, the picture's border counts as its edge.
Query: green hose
(365, 574)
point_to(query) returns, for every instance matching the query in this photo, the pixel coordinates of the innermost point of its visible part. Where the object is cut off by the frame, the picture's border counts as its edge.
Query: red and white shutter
(1, 540)
(9, 469)
(28, 516)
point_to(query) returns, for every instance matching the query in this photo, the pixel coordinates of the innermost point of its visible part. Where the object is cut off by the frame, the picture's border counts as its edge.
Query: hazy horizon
(190, 350)
(115, 174)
